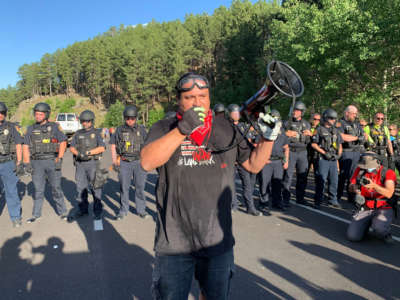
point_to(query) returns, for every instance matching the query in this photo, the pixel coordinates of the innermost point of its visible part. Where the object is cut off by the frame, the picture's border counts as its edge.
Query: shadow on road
(110, 269)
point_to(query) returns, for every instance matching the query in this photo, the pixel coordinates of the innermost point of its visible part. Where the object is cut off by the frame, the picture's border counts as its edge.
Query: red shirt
(371, 193)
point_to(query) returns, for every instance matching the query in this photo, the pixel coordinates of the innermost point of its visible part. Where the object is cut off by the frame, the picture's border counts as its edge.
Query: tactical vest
(7, 144)
(379, 136)
(43, 144)
(328, 139)
(396, 145)
(354, 129)
(129, 141)
(300, 140)
(86, 140)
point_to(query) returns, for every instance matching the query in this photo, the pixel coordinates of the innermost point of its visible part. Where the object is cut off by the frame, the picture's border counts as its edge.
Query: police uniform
(248, 179)
(9, 138)
(272, 173)
(329, 139)
(396, 152)
(351, 154)
(297, 160)
(84, 141)
(44, 141)
(378, 137)
(129, 141)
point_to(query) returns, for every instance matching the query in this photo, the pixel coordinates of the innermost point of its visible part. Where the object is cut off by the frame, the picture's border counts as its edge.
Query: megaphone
(282, 79)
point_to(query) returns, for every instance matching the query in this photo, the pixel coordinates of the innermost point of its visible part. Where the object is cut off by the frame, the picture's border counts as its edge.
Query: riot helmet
(130, 111)
(233, 107)
(219, 108)
(329, 114)
(42, 107)
(86, 115)
(3, 108)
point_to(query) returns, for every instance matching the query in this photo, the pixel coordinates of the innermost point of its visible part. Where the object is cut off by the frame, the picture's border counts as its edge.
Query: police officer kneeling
(87, 146)
(127, 143)
(374, 186)
(10, 143)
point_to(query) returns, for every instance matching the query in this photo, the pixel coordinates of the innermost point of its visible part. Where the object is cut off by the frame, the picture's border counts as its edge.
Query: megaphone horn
(282, 79)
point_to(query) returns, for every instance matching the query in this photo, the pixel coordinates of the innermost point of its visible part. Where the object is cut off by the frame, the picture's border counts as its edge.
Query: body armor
(129, 142)
(7, 144)
(354, 129)
(43, 144)
(396, 145)
(86, 140)
(329, 139)
(379, 136)
(300, 141)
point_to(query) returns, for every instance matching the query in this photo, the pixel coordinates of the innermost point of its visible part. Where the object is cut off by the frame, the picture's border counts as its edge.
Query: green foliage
(114, 116)
(154, 116)
(346, 51)
(66, 105)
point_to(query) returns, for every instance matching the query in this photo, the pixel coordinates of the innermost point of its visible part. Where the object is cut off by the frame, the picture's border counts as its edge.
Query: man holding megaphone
(194, 191)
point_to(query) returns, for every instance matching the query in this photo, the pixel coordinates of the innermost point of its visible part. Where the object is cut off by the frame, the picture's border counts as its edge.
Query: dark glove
(191, 119)
(116, 168)
(82, 156)
(328, 156)
(19, 169)
(58, 163)
(28, 168)
(336, 156)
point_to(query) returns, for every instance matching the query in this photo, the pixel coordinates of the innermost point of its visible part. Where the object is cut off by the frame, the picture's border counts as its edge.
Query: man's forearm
(259, 156)
(160, 151)
(18, 151)
(26, 153)
(63, 146)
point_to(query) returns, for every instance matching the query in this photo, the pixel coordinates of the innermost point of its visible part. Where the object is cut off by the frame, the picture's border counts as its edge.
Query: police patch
(5, 132)
(92, 136)
(49, 128)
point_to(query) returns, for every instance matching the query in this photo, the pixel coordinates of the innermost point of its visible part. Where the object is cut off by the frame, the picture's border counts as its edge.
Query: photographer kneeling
(374, 186)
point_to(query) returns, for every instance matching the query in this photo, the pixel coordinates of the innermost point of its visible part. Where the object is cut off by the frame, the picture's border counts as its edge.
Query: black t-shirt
(194, 191)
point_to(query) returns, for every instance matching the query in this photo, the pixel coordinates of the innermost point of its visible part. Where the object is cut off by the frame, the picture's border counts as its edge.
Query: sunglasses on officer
(188, 82)
(129, 118)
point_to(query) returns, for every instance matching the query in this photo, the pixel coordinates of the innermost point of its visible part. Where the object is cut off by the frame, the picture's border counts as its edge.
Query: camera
(364, 181)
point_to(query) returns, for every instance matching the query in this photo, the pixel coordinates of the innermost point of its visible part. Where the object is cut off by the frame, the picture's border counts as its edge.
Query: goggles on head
(187, 82)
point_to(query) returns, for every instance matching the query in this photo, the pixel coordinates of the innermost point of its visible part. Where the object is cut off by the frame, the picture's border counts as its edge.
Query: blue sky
(30, 28)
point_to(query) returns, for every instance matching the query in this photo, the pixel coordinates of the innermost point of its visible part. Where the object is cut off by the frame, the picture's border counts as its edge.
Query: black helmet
(86, 115)
(233, 107)
(275, 113)
(219, 108)
(300, 106)
(130, 111)
(3, 108)
(329, 114)
(42, 107)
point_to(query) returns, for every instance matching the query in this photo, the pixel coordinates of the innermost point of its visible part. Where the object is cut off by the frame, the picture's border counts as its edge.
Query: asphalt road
(299, 254)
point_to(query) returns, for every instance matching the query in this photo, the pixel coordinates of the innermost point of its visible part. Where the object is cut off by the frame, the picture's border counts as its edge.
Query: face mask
(371, 170)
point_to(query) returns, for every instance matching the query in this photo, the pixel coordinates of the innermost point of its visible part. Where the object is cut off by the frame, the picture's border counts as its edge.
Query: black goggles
(187, 83)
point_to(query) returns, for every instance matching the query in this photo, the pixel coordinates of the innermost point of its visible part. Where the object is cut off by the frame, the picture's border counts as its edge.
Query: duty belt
(276, 158)
(5, 159)
(352, 149)
(130, 158)
(43, 156)
(298, 149)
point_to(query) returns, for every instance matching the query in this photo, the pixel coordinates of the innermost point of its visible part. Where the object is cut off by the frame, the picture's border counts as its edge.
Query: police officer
(127, 143)
(219, 109)
(234, 117)
(272, 173)
(328, 143)
(298, 132)
(87, 146)
(43, 149)
(378, 138)
(353, 137)
(10, 143)
(395, 139)
(312, 154)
